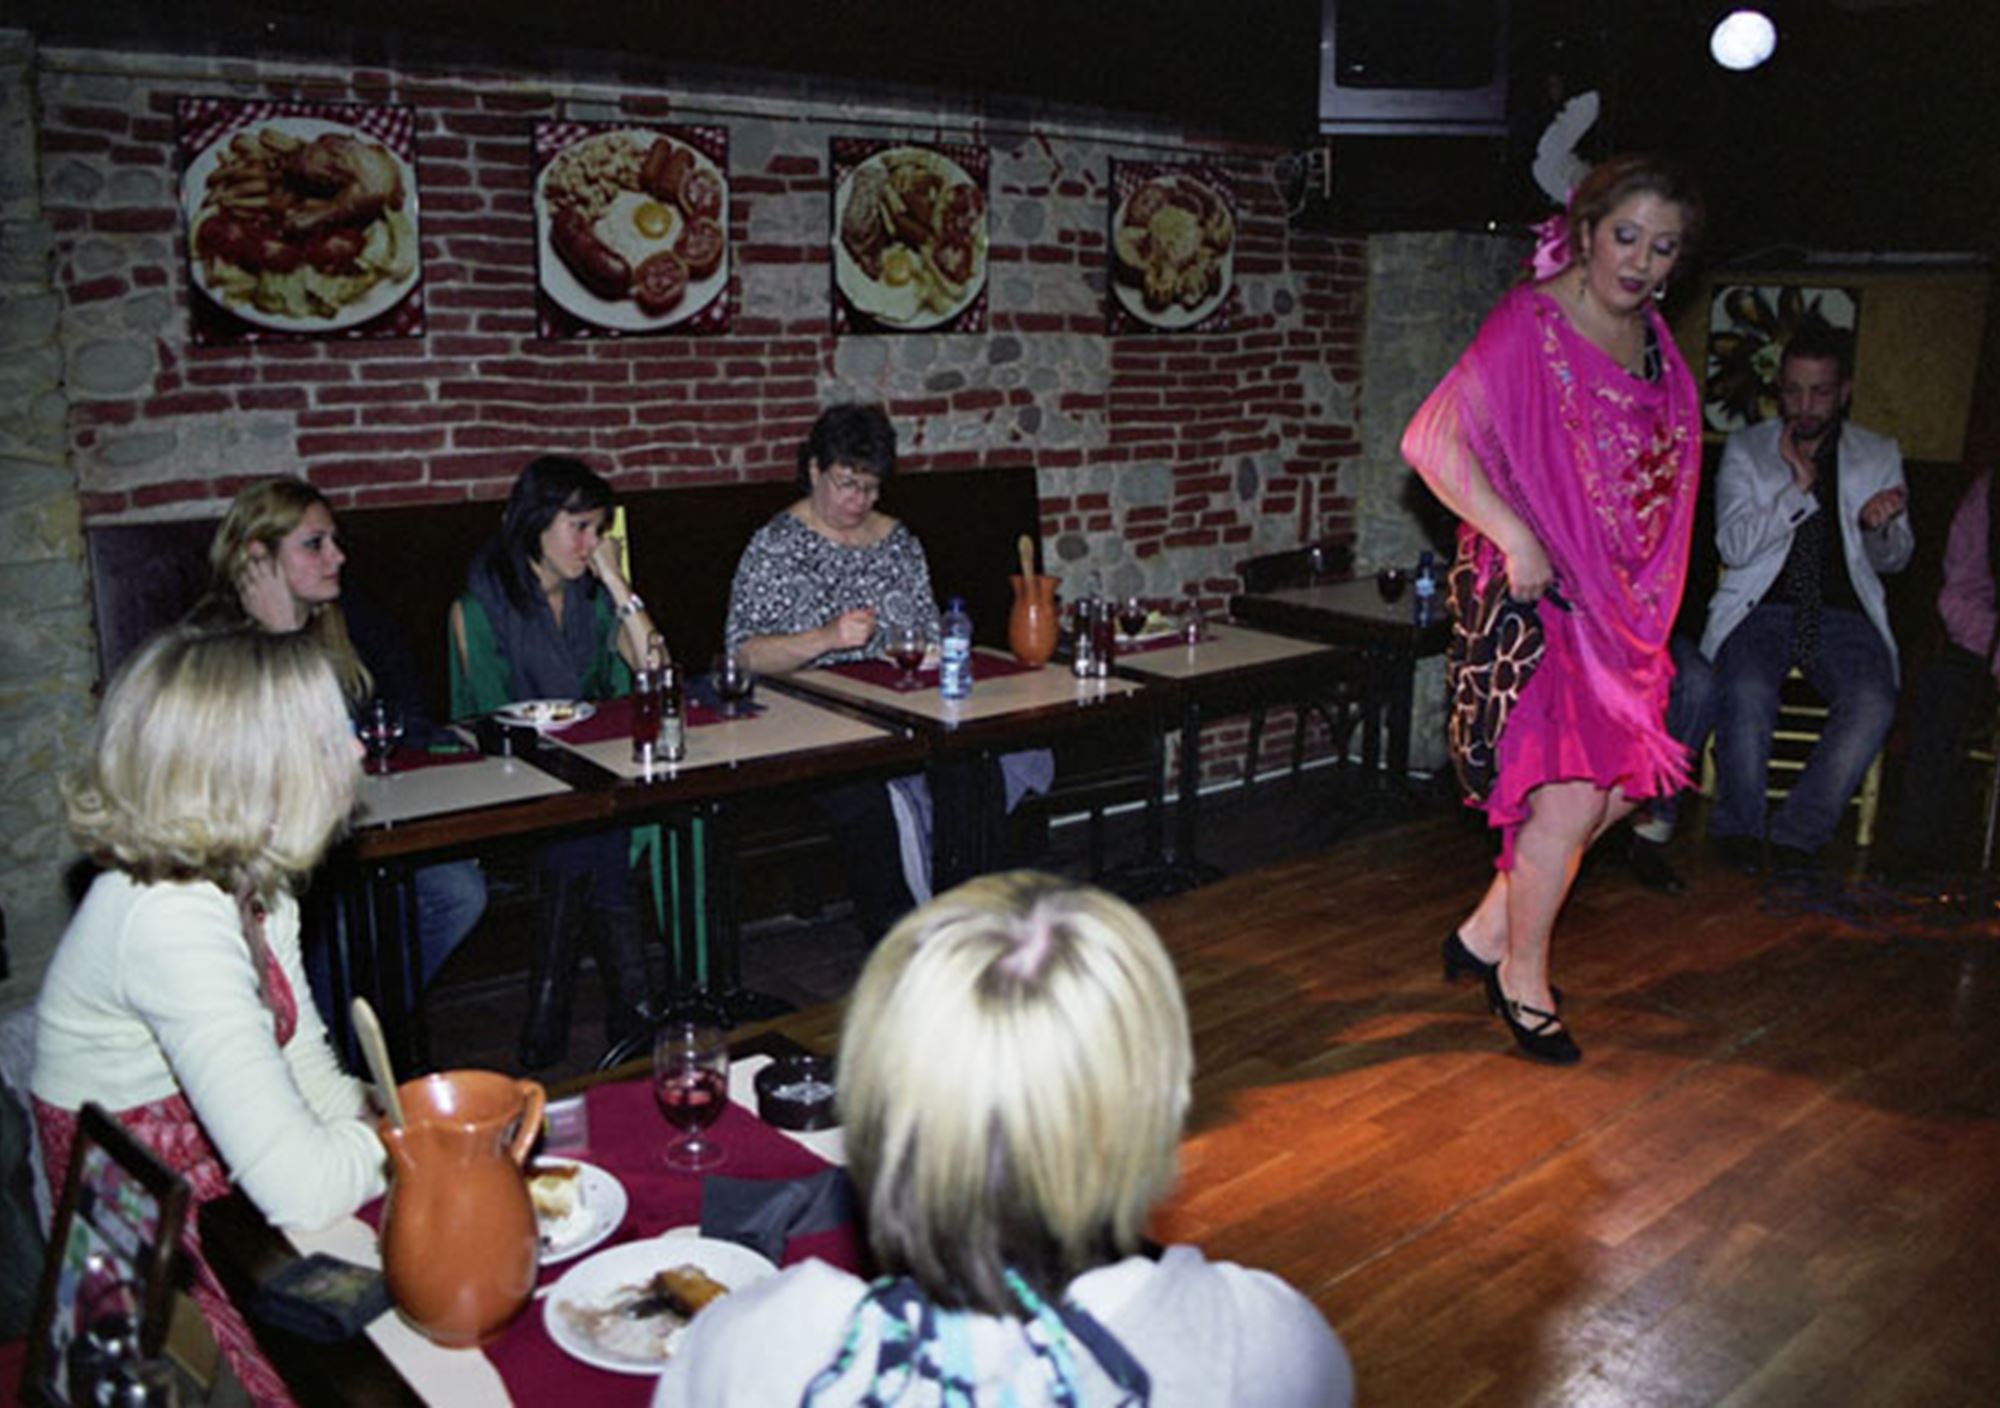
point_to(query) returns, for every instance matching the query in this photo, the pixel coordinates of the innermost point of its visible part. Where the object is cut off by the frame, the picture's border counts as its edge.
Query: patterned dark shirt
(790, 579)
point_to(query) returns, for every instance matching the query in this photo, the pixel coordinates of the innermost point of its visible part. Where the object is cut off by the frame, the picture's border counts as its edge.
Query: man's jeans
(1690, 716)
(1852, 673)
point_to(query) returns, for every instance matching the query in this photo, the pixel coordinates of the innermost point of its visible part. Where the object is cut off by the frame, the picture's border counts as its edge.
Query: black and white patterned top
(790, 579)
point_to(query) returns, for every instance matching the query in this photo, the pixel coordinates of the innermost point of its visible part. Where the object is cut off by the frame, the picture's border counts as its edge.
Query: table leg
(965, 799)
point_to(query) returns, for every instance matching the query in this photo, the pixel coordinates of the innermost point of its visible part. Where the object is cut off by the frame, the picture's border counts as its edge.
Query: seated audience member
(222, 766)
(1954, 693)
(1690, 717)
(276, 561)
(823, 583)
(1809, 513)
(1014, 1070)
(547, 614)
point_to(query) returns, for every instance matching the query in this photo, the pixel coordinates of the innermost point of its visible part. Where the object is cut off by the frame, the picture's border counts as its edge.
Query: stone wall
(45, 640)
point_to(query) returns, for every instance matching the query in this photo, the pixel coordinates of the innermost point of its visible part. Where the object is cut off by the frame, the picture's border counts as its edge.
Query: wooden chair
(1801, 719)
(1340, 709)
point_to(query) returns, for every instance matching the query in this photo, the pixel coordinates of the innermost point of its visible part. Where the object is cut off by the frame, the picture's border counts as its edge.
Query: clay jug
(1032, 624)
(458, 1231)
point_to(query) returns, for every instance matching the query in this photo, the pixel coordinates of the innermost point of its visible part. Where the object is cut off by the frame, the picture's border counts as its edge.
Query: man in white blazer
(1810, 511)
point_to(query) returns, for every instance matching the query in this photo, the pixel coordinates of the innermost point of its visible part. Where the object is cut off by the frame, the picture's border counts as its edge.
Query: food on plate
(302, 228)
(636, 220)
(543, 711)
(913, 225)
(562, 1213)
(1172, 243)
(644, 1322)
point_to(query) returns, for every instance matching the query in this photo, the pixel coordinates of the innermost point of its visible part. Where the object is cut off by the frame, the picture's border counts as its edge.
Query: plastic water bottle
(955, 651)
(1425, 590)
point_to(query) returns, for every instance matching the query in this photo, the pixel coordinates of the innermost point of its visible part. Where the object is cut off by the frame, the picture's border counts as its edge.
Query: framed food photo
(1748, 327)
(300, 220)
(910, 236)
(111, 1256)
(1172, 248)
(631, 229)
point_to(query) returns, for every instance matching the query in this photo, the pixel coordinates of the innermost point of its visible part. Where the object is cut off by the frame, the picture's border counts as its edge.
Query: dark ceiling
(1873, 129)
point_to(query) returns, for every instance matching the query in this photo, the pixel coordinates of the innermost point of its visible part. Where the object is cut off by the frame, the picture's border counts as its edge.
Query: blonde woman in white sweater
(223, 765)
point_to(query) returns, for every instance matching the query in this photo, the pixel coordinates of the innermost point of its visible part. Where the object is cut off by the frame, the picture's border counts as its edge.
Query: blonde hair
(262, 514)
(224, 756)
(1014, 1068)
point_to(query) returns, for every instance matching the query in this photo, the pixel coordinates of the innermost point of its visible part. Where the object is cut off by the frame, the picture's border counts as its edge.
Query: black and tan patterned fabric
(1496, 643)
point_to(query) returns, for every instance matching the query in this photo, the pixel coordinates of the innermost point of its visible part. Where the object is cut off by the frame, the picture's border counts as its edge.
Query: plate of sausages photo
(909, 238)
(1173, 243)
(632, 228)
(301, 224)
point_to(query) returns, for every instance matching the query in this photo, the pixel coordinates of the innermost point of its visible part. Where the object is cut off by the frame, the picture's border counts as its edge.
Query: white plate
(603, 1198)
(562, 286)
(539, 713)
(600, 1280)
(1175, 315)
(378, 300)
(857, 285)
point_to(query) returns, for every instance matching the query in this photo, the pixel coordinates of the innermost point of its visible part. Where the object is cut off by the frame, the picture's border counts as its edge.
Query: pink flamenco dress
(172, 1130)
(1603, 467)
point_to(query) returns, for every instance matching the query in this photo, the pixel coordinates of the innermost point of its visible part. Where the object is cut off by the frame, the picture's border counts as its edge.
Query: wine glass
(1132, 617)
(733, 680)
(691, 1083)
(1390, 581)
(907, 644)
(381, 731)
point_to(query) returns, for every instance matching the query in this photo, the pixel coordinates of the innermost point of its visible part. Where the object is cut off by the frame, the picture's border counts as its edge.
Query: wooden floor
(1775, 1179)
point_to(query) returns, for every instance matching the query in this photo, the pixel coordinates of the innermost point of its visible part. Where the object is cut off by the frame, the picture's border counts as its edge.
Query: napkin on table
(765, 1213)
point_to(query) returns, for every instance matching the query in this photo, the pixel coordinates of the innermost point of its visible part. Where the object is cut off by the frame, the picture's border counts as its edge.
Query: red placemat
(613, 719)
(627, 1139)
(884, 675)
(410, 759)
(1167, 642)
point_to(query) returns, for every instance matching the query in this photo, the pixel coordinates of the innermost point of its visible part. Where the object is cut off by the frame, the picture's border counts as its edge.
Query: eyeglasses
(867, 486)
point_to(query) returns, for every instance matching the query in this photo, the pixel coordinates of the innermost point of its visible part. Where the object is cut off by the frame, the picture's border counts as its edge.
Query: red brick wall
(455, 413)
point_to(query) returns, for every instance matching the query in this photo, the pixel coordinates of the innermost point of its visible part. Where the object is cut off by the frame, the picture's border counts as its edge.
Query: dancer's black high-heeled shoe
(1539, 1034)
(1460, 959)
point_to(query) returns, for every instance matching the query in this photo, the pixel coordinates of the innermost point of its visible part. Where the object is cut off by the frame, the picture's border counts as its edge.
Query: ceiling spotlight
(1743, 39)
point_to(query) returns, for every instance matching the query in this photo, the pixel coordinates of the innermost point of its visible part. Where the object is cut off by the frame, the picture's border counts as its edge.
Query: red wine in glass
(1132, 616)
(906, 649)
(691, 1085)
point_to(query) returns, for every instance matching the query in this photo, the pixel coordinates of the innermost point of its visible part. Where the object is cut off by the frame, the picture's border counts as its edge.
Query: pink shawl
(1603, 467)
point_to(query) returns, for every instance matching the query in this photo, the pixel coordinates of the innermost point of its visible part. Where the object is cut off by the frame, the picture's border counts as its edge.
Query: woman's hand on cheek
(266, 597)
(604, 561)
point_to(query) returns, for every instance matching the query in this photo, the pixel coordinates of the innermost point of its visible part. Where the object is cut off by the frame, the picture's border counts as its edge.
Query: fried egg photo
(637, 226)
(898, 295)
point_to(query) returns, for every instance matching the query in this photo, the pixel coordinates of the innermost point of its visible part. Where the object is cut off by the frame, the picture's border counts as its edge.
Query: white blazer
(1757, 509)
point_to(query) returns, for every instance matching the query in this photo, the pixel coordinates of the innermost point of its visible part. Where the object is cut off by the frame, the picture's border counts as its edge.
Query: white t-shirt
(152, 990)
(1207, 1334)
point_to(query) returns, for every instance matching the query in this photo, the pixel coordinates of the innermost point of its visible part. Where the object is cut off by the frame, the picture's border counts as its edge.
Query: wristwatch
(631, 606)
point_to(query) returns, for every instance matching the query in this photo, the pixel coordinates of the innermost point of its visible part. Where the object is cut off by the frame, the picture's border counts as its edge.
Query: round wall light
(1743, 39)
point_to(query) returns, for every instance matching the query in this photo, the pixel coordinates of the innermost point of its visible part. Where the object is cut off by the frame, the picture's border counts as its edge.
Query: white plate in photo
(194, 194)
(1223, 256)
(600, 1283)
(548, 715)
(602, 1202)
(877, 300)
(623, 314)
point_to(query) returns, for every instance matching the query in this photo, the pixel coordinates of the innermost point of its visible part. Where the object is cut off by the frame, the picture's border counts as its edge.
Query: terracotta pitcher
(1032, 624)
(458, 1232)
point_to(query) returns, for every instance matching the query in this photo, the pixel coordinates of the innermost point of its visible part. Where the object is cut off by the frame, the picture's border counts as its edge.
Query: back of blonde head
(1014, 1073)
(218, 755)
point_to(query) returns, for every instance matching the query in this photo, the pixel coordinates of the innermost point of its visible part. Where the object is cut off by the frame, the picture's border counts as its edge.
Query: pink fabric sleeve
(1966, 602)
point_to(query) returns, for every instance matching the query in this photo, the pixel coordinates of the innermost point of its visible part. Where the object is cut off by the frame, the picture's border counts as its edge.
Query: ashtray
(796, 1092)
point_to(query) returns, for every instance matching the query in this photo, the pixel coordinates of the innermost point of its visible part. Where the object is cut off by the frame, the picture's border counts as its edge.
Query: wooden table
(1232, 669)
(434, 813)
(963, 737)
(1353, 614)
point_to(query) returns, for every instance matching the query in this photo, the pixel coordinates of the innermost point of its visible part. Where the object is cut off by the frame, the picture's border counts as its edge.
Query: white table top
(1053, 684)
(451, 787)
(1359, 597)
(786, 725)
(1223, 648)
